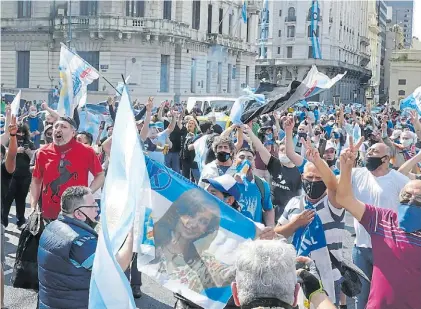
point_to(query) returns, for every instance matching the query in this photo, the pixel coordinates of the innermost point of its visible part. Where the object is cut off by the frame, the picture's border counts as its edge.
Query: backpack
(261, 187)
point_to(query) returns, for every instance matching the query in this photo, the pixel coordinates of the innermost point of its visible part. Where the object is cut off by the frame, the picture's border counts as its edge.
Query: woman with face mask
(267, 137)
(21, 180)
(35, 125)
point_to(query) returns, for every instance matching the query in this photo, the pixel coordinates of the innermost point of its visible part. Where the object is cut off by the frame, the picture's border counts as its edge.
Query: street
(154, 296)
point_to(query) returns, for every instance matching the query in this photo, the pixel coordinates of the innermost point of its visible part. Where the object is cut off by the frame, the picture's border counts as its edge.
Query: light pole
(69, 23)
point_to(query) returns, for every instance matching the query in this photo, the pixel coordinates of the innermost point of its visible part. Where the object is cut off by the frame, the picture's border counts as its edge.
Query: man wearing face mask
(375, 184)
(403, 151)
(67, 250)
(285, 180)
(35, 125)
(331, 214)
(224, 149)
(62, 164)
(395, 239)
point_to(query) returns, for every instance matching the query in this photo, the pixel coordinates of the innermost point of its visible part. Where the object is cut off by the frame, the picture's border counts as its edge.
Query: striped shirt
(333, 221)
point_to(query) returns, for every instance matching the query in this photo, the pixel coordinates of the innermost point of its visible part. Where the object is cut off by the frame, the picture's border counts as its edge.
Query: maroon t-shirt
(61, 167)
(396, 280)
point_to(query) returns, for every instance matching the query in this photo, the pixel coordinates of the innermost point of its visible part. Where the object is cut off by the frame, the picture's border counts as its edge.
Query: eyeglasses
(49, 134)
(87, 206)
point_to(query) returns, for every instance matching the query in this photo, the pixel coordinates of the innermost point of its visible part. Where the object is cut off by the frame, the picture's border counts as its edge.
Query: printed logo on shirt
(281, 183)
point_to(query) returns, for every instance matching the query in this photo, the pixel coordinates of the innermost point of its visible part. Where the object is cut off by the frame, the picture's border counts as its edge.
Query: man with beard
(62, 164)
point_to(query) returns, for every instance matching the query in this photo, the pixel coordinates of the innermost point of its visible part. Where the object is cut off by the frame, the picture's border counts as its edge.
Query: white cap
(329, 145)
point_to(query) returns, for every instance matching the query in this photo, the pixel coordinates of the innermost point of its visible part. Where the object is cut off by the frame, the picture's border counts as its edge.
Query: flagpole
(64, 45)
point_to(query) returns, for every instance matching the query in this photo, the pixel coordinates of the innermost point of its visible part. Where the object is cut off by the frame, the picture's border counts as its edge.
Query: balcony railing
(290, 19)
(25, 24)
(364, 40)
(228, 41)
(125, 24)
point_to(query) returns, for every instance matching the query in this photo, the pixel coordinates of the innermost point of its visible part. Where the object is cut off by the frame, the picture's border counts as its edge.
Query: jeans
(363, 258)
(172, 160)
(134, 276)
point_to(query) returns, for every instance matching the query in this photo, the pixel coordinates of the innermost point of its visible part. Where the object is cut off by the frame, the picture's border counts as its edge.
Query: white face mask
(33, 113)
(407, 142)
(284, 159)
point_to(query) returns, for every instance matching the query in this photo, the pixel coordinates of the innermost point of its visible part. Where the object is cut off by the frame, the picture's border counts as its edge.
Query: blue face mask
(409, 218)
(336, 135)
(269, 136)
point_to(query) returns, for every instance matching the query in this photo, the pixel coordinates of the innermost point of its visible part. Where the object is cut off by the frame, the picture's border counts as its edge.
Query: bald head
(311, 172)
(378, 150)
(411, 191)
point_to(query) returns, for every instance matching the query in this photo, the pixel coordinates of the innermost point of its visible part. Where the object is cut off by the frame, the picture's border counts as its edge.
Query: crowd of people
(282, 170)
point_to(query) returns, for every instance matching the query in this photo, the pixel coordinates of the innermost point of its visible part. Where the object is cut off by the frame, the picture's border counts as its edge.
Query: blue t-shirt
(335, 170)
(251, 200)
(33, 124)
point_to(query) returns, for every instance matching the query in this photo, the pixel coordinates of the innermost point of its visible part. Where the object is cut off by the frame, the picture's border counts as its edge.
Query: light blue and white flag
(244, 11)
(75, 76)
(190, 239)
(311, 241)
(314, 25)
(90, 120)
(126, 192)
(239, 105)
(16, 104)
(413, 101)
(200, 150)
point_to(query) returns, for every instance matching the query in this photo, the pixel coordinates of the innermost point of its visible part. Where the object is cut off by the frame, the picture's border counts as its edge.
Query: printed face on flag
(191, 238)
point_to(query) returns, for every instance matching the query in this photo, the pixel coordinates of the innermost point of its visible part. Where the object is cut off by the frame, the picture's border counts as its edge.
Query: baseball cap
(225, 184)
(330, 145)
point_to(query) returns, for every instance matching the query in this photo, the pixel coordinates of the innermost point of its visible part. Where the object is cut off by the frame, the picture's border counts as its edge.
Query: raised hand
(13, 128)
(149, 104)
(288, 125)
(413, 116)
(347, 159)
(304, 218)
(44, 105)
(312, 154)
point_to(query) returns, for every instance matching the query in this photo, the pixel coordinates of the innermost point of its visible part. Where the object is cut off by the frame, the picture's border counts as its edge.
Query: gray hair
(265, 269)
(72, 198)
(222, 140)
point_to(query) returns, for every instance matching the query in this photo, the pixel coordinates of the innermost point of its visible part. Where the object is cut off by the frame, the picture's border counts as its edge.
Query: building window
(279, 50)
(279, 33)
(196, 15)
(219, 78)
(92, 58)
(208, 76)
(220, 20)
(135, 8)
(316, 34)
(24, 9)
(229, 78)
(288, 75)
(88, 8)
(280, 13)
(230, 17)
(291, 31)
(193, 76)
(22, 80)
(289, 51)
(291, 15)
(402, 82)
(167, 9)
(247, 75)
(401, 92)
(313, 16)
(165, 69)
(310, 52)
(210, 18)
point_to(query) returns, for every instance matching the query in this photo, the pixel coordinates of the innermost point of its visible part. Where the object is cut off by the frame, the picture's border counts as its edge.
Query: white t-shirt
(377, 191)
(158, 156)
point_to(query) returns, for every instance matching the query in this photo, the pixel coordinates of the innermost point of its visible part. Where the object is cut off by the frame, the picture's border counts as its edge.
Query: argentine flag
(190, 239)
(413, 101)
(123, 202)
(75, 76)
(244, 11)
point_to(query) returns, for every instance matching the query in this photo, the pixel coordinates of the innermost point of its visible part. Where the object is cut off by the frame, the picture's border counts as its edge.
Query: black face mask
(373, 163)
(317, 133)
(223, 156)
(331, 162)
(302, 134)
(314, 189)
(89, 221)
(323, 122)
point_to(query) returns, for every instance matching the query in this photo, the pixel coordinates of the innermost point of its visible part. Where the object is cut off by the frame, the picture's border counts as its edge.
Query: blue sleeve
(267, 198)
(301, 167)
(82, 253)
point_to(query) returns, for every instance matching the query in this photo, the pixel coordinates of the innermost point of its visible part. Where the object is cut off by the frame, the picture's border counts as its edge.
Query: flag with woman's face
(190, 238)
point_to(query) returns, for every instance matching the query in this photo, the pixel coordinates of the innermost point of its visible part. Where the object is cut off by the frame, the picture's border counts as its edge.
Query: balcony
(364, 40)
(290, 19)
(158, 27)
(25, 24)
(365, 59)
(227, 41)
(253, 6)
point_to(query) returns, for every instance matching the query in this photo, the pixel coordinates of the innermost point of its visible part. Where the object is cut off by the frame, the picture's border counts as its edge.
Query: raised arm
(416, 123)
(344, 193)
(10, 161)
(172, 124)
(145, 129)
(258, 145)
(51, 111)
(289, 143)
(6, 134)
(406, 168)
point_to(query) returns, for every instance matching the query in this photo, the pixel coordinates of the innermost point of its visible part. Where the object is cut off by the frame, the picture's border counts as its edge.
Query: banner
(314, 28)
(413, 101)
(75, 76)
(280, 98)
(90, 119)
(125, 195)
(190, 238)
(16, 104)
